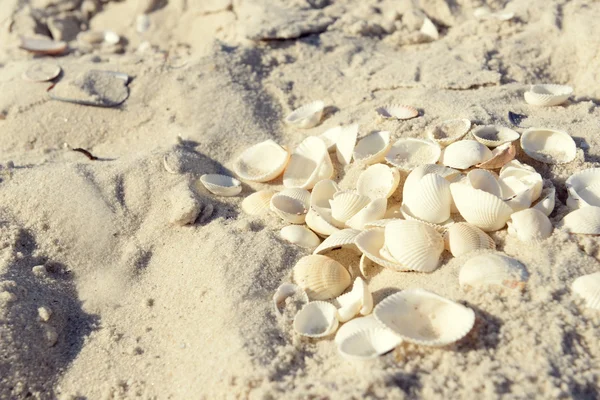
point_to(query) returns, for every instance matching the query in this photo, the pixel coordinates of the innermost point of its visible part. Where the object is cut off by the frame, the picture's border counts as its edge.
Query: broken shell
(548, 95)
(409, 153)
(415, 176)
(429, 29)
(372, 148)
(546, 201)
(344, 146)
(291, 205)
(43, 45)
(308, 164)
(258, 203)
(221, 185)
(319, 219)
(465, 154)
(368, 344)
(549, 146)
(480, 208)
(300, 236)
(41, 72)
(372, 212)
(462, 238)
(323, 192)
(397, 111)
(449, 131)
(341, 239)
(588, 287)
(484, 180)
(414, 245)
(440, 227)
(378, 181)
(500, 156)
(585, 220)
(262, 162)
(524, 176)
(371, 243)
(530, 225)
(493, 136)
(316, 319)
(307, 116)
(286, 291)
(584, 188)
(331, 135)
(422, 317)
(346, 204)
(430, 200)
(485, 13)
(321, 277)
(356, 325)
(522, 198)
(492, 269)
(358, 300)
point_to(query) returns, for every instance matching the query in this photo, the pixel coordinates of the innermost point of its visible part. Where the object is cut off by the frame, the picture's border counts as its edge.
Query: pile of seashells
(456, 191)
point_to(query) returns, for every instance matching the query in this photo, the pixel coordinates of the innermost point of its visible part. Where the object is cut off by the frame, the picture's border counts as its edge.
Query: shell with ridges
(368, 344)
(258, 203)
(372, 212)
(484, 180)
(492, 269)
(397, 111)
(355, 325)
(291, 205)
(449, 131)
(370, 243)
(300, 236)
(316, 319)
(319, 219)
(285, 291)
(465, 154)
(588, 287)
(321, 277)
(378, 181)
(343, 238)
(500, 156)
(480, 208)
(549, 146)
(493, 136)
(221, 185)
(441, 227)
(530, 225)
(372, 148)
(548, 95)
(408, 153)
(307, 116)
(346, 204)
(344, 146)
(413, 179)
(525, 174)
(308, 164)
(584, 221)
(414, 245)
(584, 188)
(430, 200)
(462, 238)
(262, 162)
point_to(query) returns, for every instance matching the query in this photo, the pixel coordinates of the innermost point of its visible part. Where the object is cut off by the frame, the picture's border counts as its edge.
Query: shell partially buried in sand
(41, 72)
(588, 287)
(494, 136)
(465, 154)
(300, 236)
(221, 185)
(548, 94)
(307, 116)
(262, 162)
(492, 269)
(449, 131)
(316, 319)
(43, 45)
(397, 111)
(407, 154)
(321, 277)
(550, 146)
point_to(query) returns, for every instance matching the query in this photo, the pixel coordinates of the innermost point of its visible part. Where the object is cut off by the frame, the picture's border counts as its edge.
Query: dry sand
(142, 308)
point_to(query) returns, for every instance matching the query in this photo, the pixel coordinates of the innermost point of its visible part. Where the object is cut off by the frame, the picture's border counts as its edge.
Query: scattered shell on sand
(549, 145)
(588, 287)
(221, 185)
(430, 200)
(331, 135)
(307, 116)
(356, 325)
(480, 208)
(484, 180)
(258, 203)
(465, 154)
(347, 204)
(371, 212)
(288, 300)
(378, 181)
(300, 236)
(308, 164)
(462, 238)
(413, 244)
(584, 188)
(494, 136)
(449, 131)
(584, 221)
(546, 201)
(41, 72)
(429, 29)
(291, 205)
(368, 344)
(409, 153)
(321, 277)
(344, 238)
(485, 13)
(346, 141)
(43, 45)
(500, 156)
(316, 319)
(413, 179)
(323, 192)
(371, 242)
(516, 177)
(492, 269)
(530, 225)
(358, 300)
(262, 162)
(548, 95)
(372, 148)
(397, 111)
(320, 220)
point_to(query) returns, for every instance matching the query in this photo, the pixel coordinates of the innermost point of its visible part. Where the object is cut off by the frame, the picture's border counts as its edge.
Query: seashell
(588, 287)
(441, 227)
(413, 179)
(368, 344)
(486, 13)
(111, 37)
(465, 154)
(221, 185)
(341, 239)
(584, 188)
(397, 111)
(585, 220)
(492, 136)
(521, 200)
(344, 146)
(449, 131)
(530, 225)
(524, 177)
(291, 205)
(380, 223)
(500, 156)
(300, 236)
(479, 208)
(414, 245)
(515, 118)
(41, 72)
(363, 265)
(323, 192)
(90, 37)
(307, 116)
(372, 148)
(258, 203)
(331, 135)
(321, 277)
(370, 243)
(546, 201)
(316, 319)
(462, 238)
(429, 29)
(492, 269)
(422, 317)
(378, 181)
(346, 204)
(409, 153)
(358, 300)
(547, 95)
(356, 325)
(308, 164)
(372, 212)
(484, 180)
(549, 146)
(430, 200)
(298, 299)
(319, 219)
(262, 162)
(43, 45)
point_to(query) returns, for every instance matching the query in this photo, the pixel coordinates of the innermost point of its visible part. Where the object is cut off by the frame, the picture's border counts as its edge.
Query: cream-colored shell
(525, 174)
(430, 200)
(546, 201)
(465, 154)
(414, 245)
(588, 287)
(485, 13)
(462, 238)
(494, 136)
(500, 156)
(371, 243)
(299, 235)
(429, 29)
(397, 111)
(584, 188)
(408, 153)
(319, 219)
(41, 72)
(358, 300)
(321, 277)
(368, 344)
(308, 164)
(378, 181)
(492, 269)
(530, 225)
(584, 221)
(480, 208)
(549, 146)
(355, 325)
(547, 95)
(258, 203)
(307, 116)
(521, 197)
(262, 162)
(412, 180)
(285, 291)
(221, 185)
(449, 131)
(344, 146)
(484, 180)
(316, 319)
(371, 212)
(440, 227)
(346, 204)
(372, 148)
(323, 192)
(344, 238)
(291, 205)
(331, 135)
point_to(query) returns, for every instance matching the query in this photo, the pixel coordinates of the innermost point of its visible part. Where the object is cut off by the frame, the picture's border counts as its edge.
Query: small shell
(430, 200)
(262, 162)
(493, 136)
(397, 111)
(549, 146)
(319, 219)
(414, 245)
(41, 72)
(484, 180)
(584, 188)
(284, 292)
(492, 269)
(368, 344)
(323, 192)
(300, 236)
(413, 179)
(346, 204)
(111, 37)
(500, 156)
(422, 317)
(485, 13)
(370, 243)
(449, 131)
(321, 277)
(258, 203)
(43, 45)
(344, 146)
(307, 116)
(316, 319)
(308, 164)
(291, 205)
(378, 181)
(355, 325)
(525, 177)
(584, 221)
(372, 148)
(588, 287)
(344, 238)
(331, 135)
(530, 225)
(546, 201)
(465, 154)
(462, 238)
(548, 95)
(480, 208)
(221, 185)
(372, 212)
(429, 29)
(407, 154)
(358, 300)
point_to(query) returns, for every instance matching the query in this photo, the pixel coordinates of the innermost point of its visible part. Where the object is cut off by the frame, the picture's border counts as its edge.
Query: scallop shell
(346, 204)
(549, 146)
(291, 205)
(321, 277)
(492, 269)
(546, 201)
(449, 131)
(221, 185)
(414, 245)
(584, 188)
(344, 146)
(397, 111)
(480, 208)
(380, 223)
(316, 319)
(343, 238)
(258, 203)
(262, 162)
(284, 292)
(323, 192)
(409, 153)
(358, 300)
(308, 164)
(370, 243)
(493, 136)
(465, 154)
(424, 318)
(429, 29)
(372, 212)
(584, 221)
(430, 200)
(42, 45)
(530, 225)
(500, 156)
(372, 148)
(41, 72)
(378, 181)
(484, 180)
(368, 344)
(415, 176)
(300, 236)
(588, 287)
(319, 219)
(356, 325)
(307, 116)
(462, 238)
(548, 95)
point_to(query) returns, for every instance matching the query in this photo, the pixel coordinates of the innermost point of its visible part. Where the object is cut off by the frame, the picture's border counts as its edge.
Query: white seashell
(341, 239)
(300, 236)
(370, 243)
(221, 185)
(530, 225)
(407, 154)
(549, 146)
(372, 212)
(429, 29)
(493, 136)
(372, 148)
(321, 277)
(397, 111)
(358, 300)
(548, 95)
(319, 219)
(316, 319)
(413, 179)
(111, 37)
(588, 287)
(291, 205)
(462, 238)
(346, 204)
(344, 146)
(330, 136)
(308, 164)
(424, 318)
(486, 13)
(465, 154)
(414, 245)
(41, 72)
(521, 200)
(441, 227)
(500, 156)
(378, 181)
(546, 201)
(516, 177)
(584, 188)
(430, 200)
(262, 162)
(307, 116)
(323, 192)
(284, 292)
(480, 208)
(585, 220)
(484, 180)
(449, 131)
(492, 269)
(356, 325)
(258, 203)
(368, 344)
